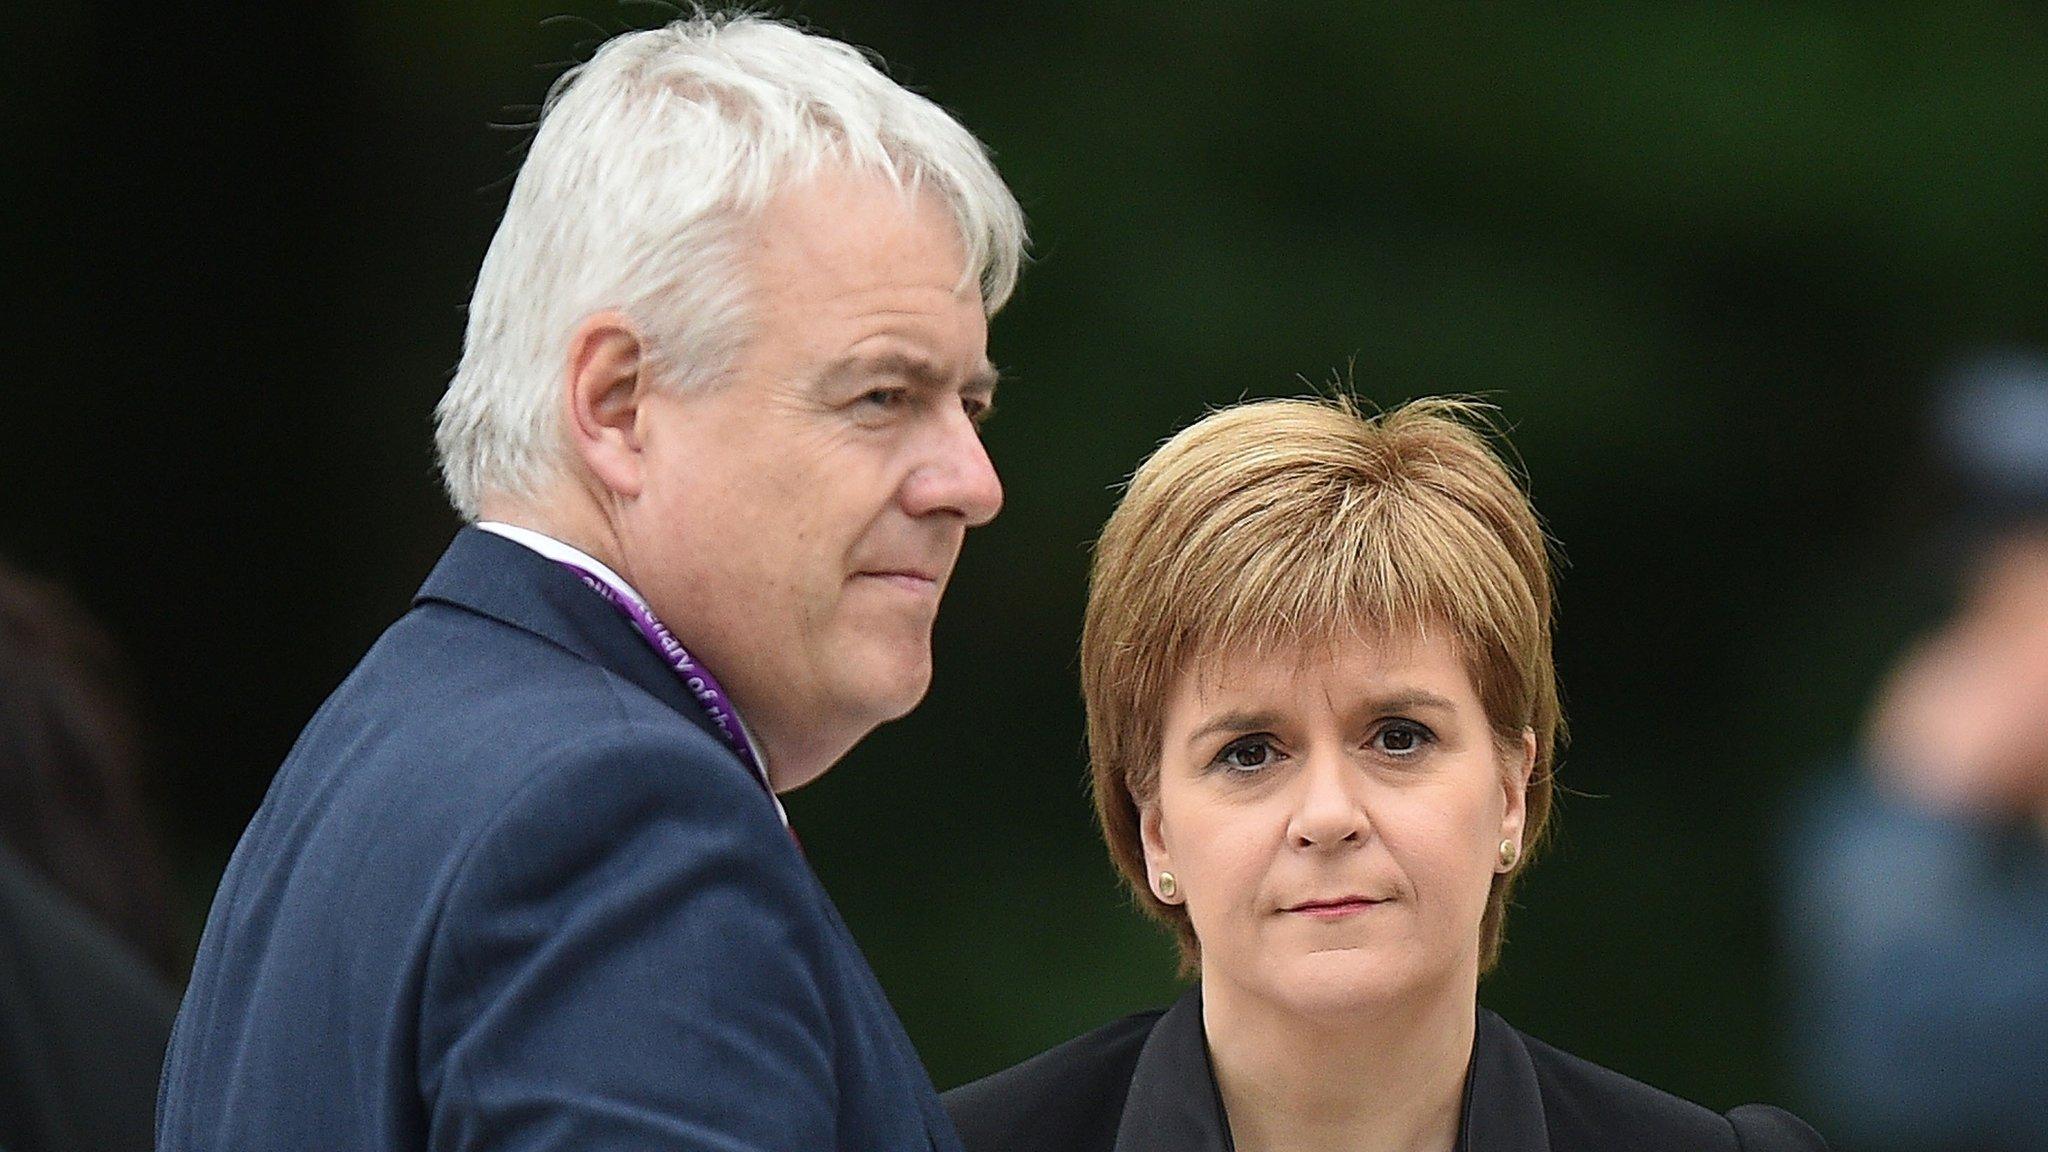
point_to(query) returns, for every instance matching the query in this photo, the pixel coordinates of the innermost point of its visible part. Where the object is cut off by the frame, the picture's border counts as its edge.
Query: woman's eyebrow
(1233, 722)
(1398, 700)
(1405, 699)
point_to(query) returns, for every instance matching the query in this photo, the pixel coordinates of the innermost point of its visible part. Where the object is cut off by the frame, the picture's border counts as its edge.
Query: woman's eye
(1402, 738)
(1248, 754)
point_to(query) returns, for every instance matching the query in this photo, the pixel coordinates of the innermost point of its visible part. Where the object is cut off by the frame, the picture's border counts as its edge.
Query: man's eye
(1247, 754)
(885, 397)
(1402, 738)
(978, 410)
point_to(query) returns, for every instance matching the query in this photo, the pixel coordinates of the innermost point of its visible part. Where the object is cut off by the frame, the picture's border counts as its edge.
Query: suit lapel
(485, 573)
(1503, 1102)
(1173, 1105)
(488, 574)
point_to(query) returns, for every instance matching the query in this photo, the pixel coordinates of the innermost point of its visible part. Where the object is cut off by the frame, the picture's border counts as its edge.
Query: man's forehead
(837, 217)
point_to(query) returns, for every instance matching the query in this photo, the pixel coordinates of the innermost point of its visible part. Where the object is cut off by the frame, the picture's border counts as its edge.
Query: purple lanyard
(695, 676)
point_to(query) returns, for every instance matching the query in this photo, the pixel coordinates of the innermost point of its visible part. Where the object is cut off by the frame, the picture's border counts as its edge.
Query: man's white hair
(649, 164)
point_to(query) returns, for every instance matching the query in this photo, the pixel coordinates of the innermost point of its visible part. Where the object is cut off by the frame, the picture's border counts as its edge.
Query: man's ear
(605, 391)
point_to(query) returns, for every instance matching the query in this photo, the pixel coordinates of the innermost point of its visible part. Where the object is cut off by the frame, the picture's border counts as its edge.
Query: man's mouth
(914, 580)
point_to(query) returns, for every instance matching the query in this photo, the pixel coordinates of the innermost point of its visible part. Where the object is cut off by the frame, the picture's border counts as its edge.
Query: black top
(1144, 1084)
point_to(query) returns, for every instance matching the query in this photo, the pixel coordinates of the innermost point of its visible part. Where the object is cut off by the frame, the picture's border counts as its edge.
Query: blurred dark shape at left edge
(70, 758)
(88, 947)
(83, 1026)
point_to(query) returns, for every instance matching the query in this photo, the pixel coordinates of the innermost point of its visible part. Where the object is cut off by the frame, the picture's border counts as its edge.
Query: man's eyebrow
(921, 370)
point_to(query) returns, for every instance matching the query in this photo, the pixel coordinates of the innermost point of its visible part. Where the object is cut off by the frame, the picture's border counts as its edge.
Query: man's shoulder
(1591, 1106)
(456, 728)
(1068, 1097)
(443, 651)
(477, 687)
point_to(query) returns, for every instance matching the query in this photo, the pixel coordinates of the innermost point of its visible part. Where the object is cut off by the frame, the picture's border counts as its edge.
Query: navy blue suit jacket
(510, 891)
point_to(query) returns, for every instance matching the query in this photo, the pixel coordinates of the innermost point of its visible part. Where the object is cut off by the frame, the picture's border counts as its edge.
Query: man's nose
(957, 477)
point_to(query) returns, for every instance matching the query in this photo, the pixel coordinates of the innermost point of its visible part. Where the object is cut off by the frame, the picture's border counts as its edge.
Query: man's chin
(897, 686)
(905, 702)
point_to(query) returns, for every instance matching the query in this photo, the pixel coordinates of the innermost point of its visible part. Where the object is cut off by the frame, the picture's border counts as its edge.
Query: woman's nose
(1327, 810)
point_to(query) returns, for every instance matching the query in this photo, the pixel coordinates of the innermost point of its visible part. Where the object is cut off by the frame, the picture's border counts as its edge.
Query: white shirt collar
(562, 553)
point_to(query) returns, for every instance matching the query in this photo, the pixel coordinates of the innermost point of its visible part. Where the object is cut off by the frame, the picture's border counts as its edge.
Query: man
(523, 883)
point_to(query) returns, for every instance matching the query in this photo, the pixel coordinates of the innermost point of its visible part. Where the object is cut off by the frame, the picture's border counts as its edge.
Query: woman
(1322, 715)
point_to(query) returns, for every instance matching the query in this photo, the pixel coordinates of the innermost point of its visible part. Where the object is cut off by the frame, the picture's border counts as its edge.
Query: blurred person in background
(71, 804)
(86, 943)
(1322, 719)
(1917, 893)
(524, 882)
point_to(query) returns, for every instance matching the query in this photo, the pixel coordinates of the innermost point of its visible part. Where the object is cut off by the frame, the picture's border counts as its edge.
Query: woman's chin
(1341, 982)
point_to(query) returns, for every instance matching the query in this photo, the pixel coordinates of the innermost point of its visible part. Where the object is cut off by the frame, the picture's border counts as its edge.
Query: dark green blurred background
(1707, 259)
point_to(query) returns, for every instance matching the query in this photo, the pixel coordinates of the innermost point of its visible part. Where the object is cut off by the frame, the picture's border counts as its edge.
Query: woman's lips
(1333, 909)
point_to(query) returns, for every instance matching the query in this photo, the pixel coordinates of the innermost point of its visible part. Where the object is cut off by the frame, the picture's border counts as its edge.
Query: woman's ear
(604, 392)
(1520, 766)
(1152, 838)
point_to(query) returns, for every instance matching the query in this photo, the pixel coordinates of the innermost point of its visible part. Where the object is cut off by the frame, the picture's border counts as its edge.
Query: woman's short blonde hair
(1287, 524)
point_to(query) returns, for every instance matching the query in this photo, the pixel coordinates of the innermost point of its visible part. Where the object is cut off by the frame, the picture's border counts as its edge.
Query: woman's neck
(1389, 1078)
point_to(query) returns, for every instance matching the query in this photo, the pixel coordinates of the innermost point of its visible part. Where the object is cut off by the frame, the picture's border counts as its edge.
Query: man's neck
(586, 532)
(1383, 1079)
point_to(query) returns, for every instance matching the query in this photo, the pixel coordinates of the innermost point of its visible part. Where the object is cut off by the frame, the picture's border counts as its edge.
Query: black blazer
(1144, 1084)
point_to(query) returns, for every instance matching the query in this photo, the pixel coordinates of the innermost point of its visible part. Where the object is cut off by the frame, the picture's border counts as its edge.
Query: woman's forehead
(1423, 660)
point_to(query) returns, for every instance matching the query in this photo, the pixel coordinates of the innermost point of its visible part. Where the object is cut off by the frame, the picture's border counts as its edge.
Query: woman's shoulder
(1069, 1097)
(1588, 1106)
